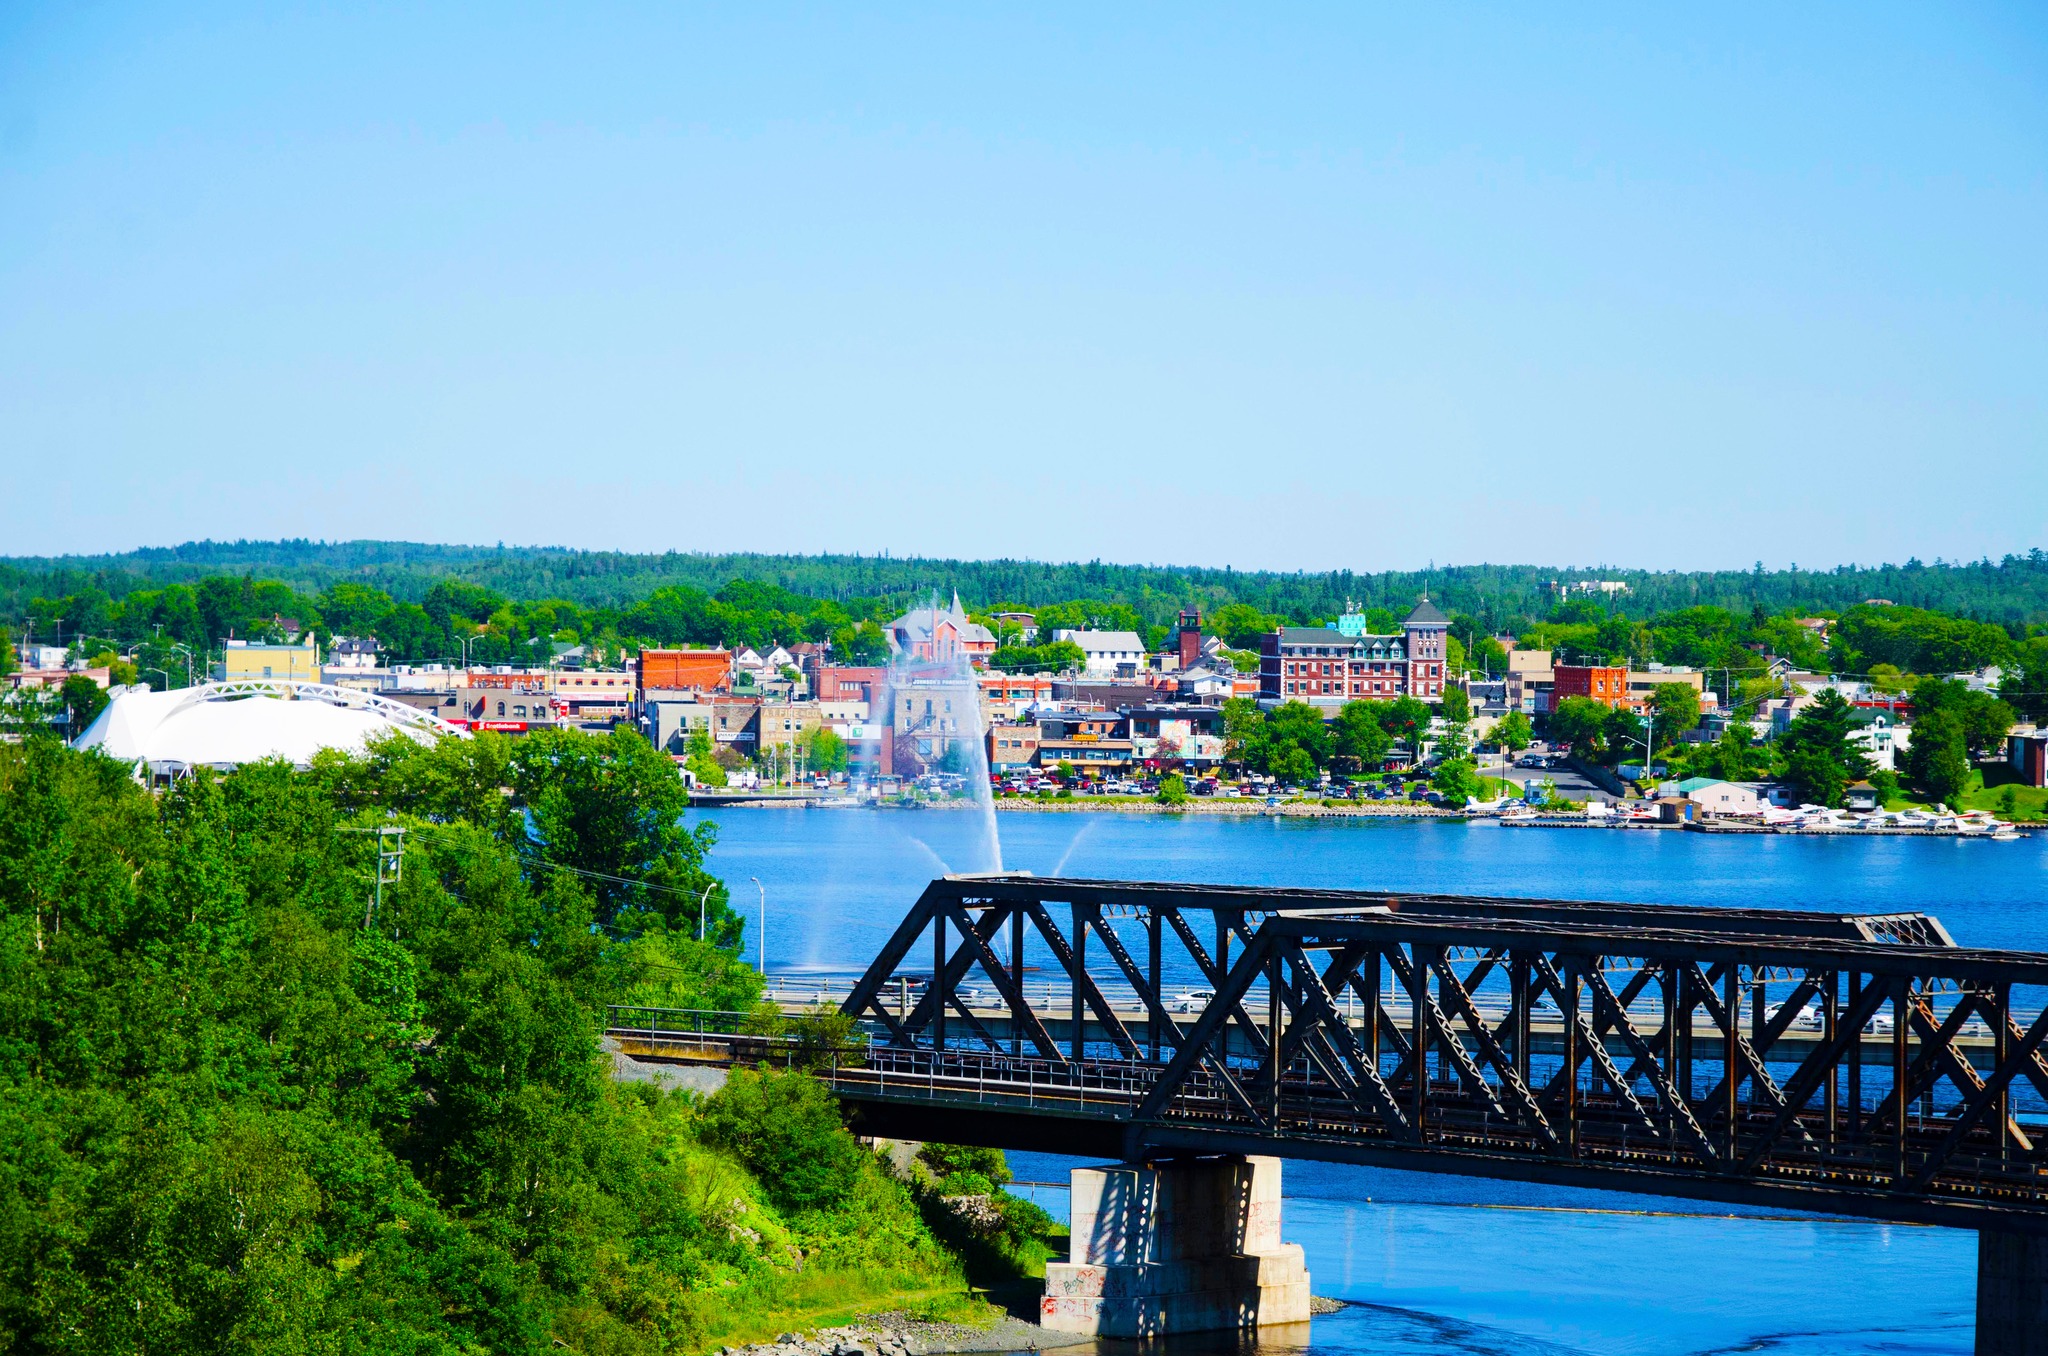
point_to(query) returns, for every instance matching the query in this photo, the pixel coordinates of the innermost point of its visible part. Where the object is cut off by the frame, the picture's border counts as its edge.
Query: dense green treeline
(2013, 590)
(239, 1112)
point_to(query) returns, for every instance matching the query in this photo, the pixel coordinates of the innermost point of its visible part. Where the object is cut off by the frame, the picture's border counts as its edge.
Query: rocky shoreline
(899, 1334)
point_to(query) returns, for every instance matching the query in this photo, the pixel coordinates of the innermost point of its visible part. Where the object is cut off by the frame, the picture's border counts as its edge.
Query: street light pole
(701, 901)
(764, 923)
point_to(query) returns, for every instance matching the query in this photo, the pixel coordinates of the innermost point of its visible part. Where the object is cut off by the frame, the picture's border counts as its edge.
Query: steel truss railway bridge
(1854, 1064)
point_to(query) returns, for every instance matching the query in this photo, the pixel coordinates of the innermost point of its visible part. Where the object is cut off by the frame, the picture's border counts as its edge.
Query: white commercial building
(1111, 654)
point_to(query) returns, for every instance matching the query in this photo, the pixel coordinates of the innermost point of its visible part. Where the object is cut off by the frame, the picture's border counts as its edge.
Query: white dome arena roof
(227, 724)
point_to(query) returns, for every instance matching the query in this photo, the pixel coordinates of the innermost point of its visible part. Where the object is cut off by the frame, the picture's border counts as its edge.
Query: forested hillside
(241, 1112)
(2012, 590)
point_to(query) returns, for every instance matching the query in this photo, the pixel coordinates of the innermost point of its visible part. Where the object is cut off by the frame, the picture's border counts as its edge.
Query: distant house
(1817, 625)
(1881, 736)
(1712, 796)
(1111, 654)
(937, 635)
(352, 652)
(2026, 750)
(1860, 796)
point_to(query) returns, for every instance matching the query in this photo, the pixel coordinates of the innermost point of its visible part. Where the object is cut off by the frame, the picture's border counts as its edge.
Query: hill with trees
(246, 1106)
(2011, 591)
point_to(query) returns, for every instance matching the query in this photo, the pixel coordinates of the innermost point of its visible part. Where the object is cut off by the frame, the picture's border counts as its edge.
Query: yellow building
(243, 660)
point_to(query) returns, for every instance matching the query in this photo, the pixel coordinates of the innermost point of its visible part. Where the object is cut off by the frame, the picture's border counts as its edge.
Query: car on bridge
(1192, 1000)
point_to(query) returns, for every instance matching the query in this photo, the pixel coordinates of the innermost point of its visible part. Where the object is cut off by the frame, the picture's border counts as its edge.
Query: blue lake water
(1437, 1263)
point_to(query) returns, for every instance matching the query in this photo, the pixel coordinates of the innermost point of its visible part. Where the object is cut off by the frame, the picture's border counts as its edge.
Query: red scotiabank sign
(510, 726)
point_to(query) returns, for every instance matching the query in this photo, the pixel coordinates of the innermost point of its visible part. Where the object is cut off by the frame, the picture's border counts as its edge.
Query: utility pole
(390, 862)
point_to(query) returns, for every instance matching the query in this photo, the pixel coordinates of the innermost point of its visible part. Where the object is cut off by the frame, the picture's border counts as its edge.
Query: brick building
(1324, 667)
(685, 670)
(1605, 683)
(850, 683)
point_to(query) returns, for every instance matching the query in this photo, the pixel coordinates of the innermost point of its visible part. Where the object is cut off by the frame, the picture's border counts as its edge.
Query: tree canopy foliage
(241, 1112)
(419, 597)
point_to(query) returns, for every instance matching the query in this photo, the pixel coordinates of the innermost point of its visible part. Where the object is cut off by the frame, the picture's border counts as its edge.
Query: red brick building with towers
(1324, 667)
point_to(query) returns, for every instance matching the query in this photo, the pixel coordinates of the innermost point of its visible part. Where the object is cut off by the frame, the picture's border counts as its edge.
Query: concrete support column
(1188, 1245)
(2012, 1294)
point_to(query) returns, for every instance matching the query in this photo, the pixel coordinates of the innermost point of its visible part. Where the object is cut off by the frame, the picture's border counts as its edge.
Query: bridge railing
(1857, 1062)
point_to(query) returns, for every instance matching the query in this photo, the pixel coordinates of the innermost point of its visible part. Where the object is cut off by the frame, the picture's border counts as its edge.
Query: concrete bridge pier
(1176, 1246)
(2012, 1294)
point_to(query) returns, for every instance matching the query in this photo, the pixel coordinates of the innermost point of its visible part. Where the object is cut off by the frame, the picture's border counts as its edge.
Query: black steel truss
(1852, 1062)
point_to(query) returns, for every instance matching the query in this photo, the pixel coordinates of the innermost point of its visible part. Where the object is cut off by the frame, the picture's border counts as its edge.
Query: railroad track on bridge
(1859, 1064)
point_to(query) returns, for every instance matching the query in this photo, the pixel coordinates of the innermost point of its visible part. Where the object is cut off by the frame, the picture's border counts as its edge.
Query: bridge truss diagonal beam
(1657, 1048)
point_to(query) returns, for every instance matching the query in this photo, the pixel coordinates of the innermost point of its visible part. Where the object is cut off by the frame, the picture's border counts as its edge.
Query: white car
(1192, 1000)
(1808, 1019)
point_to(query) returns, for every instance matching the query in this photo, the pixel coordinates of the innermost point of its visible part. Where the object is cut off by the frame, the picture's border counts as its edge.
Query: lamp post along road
(764, 923)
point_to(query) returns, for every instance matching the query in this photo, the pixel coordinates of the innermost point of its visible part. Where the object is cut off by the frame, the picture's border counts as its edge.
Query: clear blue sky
(1277, 286)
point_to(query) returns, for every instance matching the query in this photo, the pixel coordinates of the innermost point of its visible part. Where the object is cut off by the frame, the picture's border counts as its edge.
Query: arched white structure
(224, 725)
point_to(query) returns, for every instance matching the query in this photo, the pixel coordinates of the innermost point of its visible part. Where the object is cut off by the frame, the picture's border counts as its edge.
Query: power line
(572, 870)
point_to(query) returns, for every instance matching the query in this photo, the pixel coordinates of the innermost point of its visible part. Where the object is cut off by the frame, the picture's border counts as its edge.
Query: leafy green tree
(2024, 686)
(9, 662)
(955, 1160)
(1488, 656)
(1457, 706)
(1984, 719)
(1454, 740)
(701, 759)
(1820, 759)
(119, 670)
(1915, 640)
(1244, 732)
(83, 700)
(1938, 759)
(861, 644)
(1677, 708)
(1457, 779)
(1358, 738)
(785, 1127)
(1626, 737)
(827, 751)
(1733, 757)
(1058, 656)
(242, 1112)
(1580, 722)
(1173, 789)
(1297, 742)
(1406, 720)
(1241, 625)
(1512, 732)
